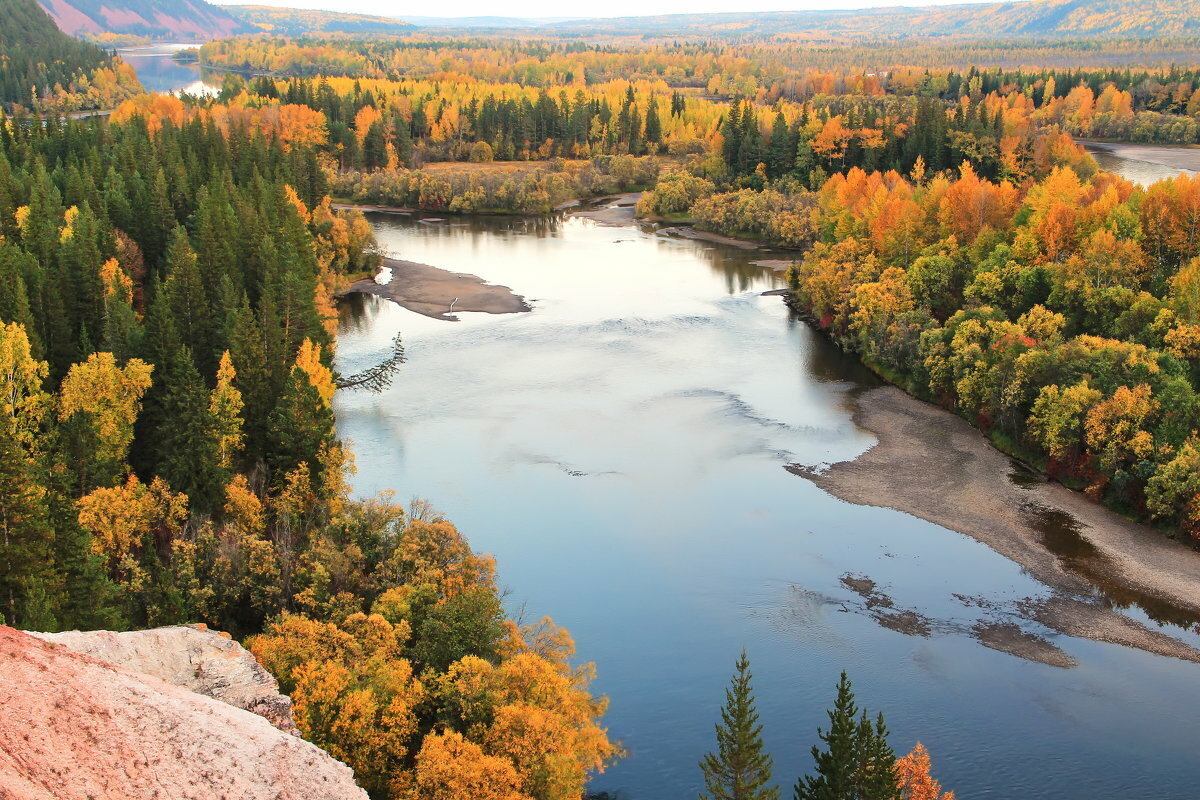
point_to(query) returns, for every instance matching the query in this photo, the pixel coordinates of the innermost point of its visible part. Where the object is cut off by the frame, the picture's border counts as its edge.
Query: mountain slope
(178, 20)
(37, 55)
(1026, 19)
(295, 22)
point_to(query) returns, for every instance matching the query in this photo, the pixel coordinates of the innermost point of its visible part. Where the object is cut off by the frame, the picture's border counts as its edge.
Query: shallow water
(1132, 169)
(621, 450)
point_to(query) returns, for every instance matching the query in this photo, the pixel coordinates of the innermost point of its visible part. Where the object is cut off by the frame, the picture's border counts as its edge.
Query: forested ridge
(41, 66)
(172, 20)
(304, 22)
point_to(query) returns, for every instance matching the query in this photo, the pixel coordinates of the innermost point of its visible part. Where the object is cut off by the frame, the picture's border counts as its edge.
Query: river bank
(934, 465)
(439, 293)
(1174, 156)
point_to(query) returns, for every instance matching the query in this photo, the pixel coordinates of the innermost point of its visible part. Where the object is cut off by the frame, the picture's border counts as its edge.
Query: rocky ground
(75, 727)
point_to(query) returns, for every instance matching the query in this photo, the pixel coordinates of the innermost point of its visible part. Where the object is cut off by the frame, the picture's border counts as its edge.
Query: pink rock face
(191, 656)
(74, 727)
(70, 19)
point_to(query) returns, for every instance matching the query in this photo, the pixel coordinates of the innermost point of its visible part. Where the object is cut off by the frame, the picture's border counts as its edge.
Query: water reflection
(1061, 535)
(158, 70)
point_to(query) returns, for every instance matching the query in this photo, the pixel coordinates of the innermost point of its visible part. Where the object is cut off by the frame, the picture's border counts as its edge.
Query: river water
(158, 70)
(621, 451)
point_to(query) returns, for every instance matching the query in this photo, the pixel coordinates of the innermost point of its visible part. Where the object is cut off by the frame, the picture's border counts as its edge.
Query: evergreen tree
(374, 148)
(25, 534)
(299, 428)
(653, 135)
(781, 151)
(740, 769)
(857, 762)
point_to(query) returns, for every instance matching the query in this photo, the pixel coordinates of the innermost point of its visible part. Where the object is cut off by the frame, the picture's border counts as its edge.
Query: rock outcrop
(75, 727)
(191, 656)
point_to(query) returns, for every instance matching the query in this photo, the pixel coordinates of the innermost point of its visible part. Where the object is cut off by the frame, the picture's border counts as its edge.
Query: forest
(46, 70)
(168, 455)
(168, 282)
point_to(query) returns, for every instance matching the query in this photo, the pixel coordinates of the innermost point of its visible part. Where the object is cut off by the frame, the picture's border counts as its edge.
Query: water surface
(158, 70)
(1143, 170)
(620, 449)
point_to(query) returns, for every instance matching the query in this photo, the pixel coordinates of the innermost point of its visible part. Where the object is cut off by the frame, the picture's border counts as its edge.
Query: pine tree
(740, 769)
(25, 534)
(299, 428)
(653, 134)
(781, 151)
(858, 763)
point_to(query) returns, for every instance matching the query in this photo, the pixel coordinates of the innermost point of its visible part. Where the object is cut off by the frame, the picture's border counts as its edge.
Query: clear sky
(556, 8)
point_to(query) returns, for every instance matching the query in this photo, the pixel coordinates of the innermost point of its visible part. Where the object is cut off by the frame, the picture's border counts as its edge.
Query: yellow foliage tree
(226, 407)
(23, 404)
(916, 783)
(308, 359)
(119, 517)
(111, 398)
(449, 767)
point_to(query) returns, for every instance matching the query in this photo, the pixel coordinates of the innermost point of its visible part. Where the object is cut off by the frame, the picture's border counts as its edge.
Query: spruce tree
(25, 535)
(857, 762)
(653, 135)
(741, 768)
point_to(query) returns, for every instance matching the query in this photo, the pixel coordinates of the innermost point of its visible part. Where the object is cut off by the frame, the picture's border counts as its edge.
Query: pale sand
(431, 291)
(936, 466)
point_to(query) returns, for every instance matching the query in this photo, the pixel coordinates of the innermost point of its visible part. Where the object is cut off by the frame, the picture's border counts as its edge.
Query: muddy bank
(616, 210)
(687, 232)
(1178, 157)
(935, 466)
(439, 293)
(372, 209)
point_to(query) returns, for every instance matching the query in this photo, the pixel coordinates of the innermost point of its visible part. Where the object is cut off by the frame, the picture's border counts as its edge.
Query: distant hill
(296, 22)
(175, 20)
(38, 55)
(487, 22)
(1050, 19)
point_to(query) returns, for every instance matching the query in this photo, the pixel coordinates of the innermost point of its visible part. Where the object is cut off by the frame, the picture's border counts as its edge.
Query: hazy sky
(557, 8)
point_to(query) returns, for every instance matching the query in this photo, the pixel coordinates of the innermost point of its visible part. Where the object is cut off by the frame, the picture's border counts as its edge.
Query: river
(1144, 163)
(158, 70)
(621, 451)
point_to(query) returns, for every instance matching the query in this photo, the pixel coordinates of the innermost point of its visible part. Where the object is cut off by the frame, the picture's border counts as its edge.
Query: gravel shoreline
(936, 466)
(438, 293)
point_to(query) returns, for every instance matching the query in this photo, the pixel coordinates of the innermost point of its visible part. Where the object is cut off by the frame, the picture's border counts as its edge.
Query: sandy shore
(688, 232)
(616, 210)
(1179, 157)
(372, 209)
(438, 293)
(777, 264)
(934, 465)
